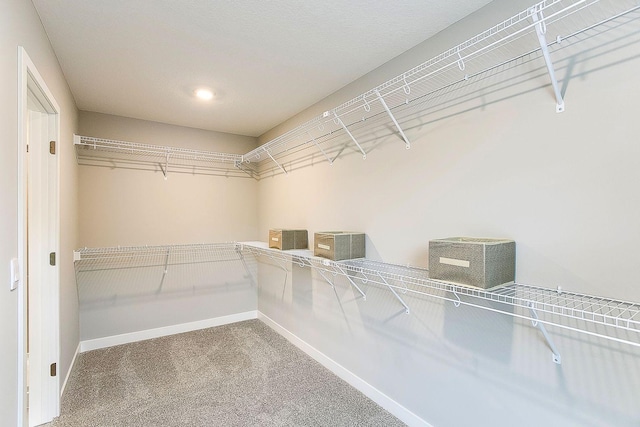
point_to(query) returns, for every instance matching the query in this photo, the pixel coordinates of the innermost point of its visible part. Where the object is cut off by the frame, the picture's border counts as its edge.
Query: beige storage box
(288, 239)
(339, 245)
(480, 262)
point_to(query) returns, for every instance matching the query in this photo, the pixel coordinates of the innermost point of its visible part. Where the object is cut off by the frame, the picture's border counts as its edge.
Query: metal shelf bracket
(239, 249)
(395, 122)
(555, 353)
(320, 148)
(166, 262)
(239, 165)
(393, 291)
(541, 29)
(325, 277)
(344, 273)
(339, 122)
(274, 161)
(165, 270)
(165, 170)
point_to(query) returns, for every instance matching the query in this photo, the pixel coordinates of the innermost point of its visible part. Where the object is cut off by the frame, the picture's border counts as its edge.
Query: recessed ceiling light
(205, 94)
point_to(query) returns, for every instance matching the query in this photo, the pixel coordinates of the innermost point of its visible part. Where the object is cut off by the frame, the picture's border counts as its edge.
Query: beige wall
(133, 207)
(125, 207)
(495, 160)
(500, 163)
(20, 26)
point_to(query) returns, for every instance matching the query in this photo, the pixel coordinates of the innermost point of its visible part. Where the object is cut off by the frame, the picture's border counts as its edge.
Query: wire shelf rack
(121, 257)
(596, 316)
(522, 36)
(108, 152)
(530, 36)
(601, 317)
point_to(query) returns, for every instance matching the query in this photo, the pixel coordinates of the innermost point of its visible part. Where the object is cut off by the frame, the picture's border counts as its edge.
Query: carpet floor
(243, 374)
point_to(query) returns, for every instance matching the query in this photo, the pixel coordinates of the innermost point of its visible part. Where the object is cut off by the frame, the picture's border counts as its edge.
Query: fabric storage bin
(480, 262)
(339, 245)
(288, 239)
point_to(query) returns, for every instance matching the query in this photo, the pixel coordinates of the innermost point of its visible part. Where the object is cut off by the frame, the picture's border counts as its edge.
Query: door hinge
(27, 148)
(52, 147)
(52, 259)
(53, 369)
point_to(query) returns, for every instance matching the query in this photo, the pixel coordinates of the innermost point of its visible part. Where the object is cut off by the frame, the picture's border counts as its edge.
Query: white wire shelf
(530, 36)
(592, 315)
(606, 318)
(114, 153)
(121, 257)
(521, 37)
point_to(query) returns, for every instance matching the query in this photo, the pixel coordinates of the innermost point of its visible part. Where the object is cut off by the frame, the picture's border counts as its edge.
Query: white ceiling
(265, 60)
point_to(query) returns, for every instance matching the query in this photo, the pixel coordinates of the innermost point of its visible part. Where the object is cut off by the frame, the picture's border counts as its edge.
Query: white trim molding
(73, 362)
(396, 409)
(147, 334)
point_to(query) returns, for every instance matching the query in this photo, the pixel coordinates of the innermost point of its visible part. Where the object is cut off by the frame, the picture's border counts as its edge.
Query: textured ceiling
(265, 60)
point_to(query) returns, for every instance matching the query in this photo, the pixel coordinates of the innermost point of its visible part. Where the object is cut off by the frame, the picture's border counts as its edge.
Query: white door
(39, 238)
(42, 385)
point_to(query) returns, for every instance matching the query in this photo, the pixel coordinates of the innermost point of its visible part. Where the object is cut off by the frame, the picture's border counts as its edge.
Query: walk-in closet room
(283, 213)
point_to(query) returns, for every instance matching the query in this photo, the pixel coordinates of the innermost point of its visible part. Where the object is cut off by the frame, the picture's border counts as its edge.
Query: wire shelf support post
(325, 278)
(541, 30)
(395, 122)
(320, 148)
(165, 170)
(239, 248)
(338, 121)
(276, 162)
(393, 291)
(239, 165)
(344, 273)
(536, 324)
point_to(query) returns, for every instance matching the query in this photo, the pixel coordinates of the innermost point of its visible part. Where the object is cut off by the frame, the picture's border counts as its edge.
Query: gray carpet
(243, 374)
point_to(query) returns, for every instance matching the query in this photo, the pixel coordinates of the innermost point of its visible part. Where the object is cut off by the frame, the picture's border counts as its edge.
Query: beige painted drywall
(132, 207)
(125, 207)
(498, 162)
(501, 162)
(20, 26)
(561, 185)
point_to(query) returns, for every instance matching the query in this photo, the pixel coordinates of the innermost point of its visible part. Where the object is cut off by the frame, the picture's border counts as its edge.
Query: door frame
(30, 79)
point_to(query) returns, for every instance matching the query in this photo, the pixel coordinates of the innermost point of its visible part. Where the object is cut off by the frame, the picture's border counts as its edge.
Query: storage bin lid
(473, 240)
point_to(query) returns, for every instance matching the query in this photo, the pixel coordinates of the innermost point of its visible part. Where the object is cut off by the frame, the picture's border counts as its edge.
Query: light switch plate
(15, 274)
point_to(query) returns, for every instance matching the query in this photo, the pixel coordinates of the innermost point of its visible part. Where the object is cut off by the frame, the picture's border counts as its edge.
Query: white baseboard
(110, 341)
(399, 411)
(73, 362)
